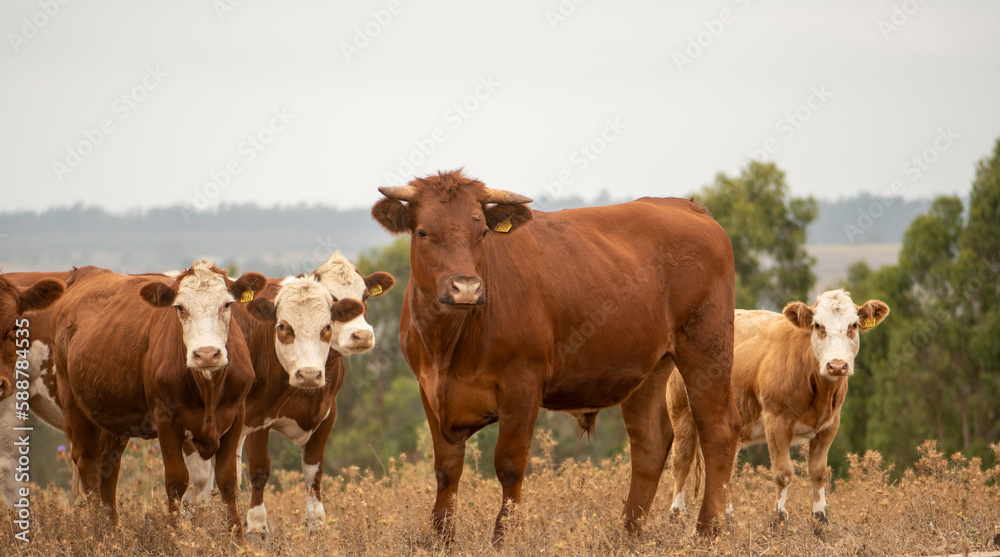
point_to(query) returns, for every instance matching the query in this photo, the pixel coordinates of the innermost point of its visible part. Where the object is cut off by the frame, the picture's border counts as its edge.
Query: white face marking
(834, 336)
(257, 518)
(202, 306)
(304, 330)
(344, 281)
(820, 506)
(678, 504)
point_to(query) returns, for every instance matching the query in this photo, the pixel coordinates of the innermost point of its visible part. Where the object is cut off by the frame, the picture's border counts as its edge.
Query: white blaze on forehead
(303, 303)
(203, 294)
(836, 312)
(344, 281)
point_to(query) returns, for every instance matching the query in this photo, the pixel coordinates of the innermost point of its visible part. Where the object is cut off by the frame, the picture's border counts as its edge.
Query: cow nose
(837, 367)
(465, 290)
(363, 339)
(309, 377)
(207, 356)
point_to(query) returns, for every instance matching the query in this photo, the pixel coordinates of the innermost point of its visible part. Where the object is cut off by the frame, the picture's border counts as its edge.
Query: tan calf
(790, 373)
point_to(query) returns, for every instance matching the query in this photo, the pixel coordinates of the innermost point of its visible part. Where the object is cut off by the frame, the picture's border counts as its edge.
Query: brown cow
(508, 310)
(146, 357)
(296, 322)
(790, 375)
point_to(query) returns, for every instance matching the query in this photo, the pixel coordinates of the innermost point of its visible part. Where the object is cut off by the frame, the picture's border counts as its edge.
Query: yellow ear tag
(869, 323)
(246, 297)
(375, 290)
(503, 226)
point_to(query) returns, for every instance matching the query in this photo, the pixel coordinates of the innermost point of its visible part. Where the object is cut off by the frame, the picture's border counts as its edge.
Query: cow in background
(508, 310)
(790, 374)
(297, 330)
(153, 357)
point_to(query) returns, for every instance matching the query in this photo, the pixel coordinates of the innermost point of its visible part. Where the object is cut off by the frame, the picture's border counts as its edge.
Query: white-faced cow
(290, 328)
(508, 310)
(153, 357)
(790, 373)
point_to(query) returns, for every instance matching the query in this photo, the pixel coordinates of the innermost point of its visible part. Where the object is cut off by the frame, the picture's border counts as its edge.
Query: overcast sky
(204, 103)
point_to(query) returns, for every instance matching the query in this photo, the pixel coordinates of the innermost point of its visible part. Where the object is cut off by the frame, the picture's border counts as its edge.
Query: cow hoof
(820, 518)
(780, 522)
(676, 514)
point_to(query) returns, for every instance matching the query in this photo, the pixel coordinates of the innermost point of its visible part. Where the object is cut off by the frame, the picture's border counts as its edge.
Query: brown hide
(576, 310)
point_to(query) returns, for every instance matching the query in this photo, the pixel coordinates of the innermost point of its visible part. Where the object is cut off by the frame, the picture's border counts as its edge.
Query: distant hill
(282, 240)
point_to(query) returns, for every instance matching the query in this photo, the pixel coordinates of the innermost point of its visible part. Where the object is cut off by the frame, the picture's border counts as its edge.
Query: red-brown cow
(141, 357)
(790, 381)
(295, 323)
(508, 310)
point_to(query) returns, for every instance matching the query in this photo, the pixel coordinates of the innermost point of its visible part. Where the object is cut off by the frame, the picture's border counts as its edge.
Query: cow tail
(699, 469)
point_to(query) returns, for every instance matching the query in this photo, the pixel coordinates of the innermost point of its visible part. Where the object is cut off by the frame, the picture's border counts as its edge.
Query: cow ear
(504, 218)
(872, 313)
(392, 215)
(41, 295)
(262, 309)
(158, 294)
(799, 314)
(378, 283)
(345, 310)
(244, 287)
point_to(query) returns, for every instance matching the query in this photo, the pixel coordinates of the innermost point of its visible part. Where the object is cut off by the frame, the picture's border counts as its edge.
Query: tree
(768, 233)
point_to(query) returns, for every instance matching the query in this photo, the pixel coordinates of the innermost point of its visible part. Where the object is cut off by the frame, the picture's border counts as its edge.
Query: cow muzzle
(308, 378)
(465, 291)
(207, 358)
(838, 368)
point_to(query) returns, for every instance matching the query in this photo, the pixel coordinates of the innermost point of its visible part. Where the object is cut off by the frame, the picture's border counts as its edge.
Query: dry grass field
(945, 505)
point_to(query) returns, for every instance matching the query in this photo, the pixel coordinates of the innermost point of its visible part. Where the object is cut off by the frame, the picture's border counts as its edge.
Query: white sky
(555, 89)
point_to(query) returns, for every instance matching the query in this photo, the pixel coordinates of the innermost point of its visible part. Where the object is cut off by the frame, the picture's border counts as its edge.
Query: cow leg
(517, 426)
(8, 452)
(685, 444)
(449, 461)
(650, 436)
(175, 473)
(312, 472)
(779, 441)
(259, 471)
(705, 359)
(83, 438)
(225, 474)
(200, 474)
(819, 448)
(112, 449)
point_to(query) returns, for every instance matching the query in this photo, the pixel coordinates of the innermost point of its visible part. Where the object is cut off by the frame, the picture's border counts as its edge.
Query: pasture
(945, 504)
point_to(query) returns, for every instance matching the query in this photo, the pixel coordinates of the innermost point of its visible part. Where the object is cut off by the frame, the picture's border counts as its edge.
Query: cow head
(13, 303)
(202, 296)
(306, 317)
(345, 282)
(836, 325)
(450, 218)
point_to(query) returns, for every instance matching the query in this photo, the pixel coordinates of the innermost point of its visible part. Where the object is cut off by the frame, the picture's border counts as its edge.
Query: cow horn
(504, 197)
(402, 193)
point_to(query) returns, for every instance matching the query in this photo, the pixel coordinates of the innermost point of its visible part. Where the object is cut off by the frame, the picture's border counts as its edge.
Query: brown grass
(945, 505)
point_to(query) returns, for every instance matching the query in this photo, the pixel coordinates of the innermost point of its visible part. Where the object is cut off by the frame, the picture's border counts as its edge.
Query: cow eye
(281, 326)
(485, 230)
(227, 304)
(421, 233)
